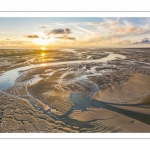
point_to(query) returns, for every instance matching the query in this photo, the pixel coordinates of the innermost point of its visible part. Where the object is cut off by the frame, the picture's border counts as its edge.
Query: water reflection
(43, 54)
(43, 65)
(8, 78)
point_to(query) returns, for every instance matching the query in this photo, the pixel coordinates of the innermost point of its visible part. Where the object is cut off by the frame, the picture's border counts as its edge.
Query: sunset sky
(74, 32)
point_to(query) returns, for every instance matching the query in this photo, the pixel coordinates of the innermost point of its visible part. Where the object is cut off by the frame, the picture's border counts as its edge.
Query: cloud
(58, 31)
(121, 28)
(43, 27)
(61, 31)
(83, 29)
(8, 38)
(134, 42)
(14, 43)
(65, 37)
(125, 42)
(33, 36)
(145, 41)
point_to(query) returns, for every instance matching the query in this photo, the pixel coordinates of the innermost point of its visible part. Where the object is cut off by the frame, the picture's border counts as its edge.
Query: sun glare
(43, 65)
(43, 48)
(43, 41)
(43, 54)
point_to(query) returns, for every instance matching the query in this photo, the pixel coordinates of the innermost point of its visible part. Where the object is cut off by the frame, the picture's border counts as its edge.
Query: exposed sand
(83, 95)
(109, 121)
(130, 91)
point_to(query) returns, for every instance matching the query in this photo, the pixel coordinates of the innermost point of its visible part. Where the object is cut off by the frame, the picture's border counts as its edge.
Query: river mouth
(78, 95)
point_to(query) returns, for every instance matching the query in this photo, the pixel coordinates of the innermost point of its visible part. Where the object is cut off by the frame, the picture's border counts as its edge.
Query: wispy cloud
(65, 37)
(100, 32)
(115, 28)
(14, 43)
(85, 30)
(125, 42)
(145, 41)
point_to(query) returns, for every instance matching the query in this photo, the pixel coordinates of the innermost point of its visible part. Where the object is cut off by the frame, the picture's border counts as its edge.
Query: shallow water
(68, 50)
(73, 105)
(8, 78)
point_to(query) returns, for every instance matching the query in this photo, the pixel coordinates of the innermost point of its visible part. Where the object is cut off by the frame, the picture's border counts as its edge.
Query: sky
(74, 32)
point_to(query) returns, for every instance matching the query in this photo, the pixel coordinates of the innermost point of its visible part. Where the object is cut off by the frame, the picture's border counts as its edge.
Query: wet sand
(127, 92)
(86, 94)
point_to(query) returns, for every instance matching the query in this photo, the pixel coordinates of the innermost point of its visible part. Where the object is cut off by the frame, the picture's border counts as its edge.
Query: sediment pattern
(86, 96)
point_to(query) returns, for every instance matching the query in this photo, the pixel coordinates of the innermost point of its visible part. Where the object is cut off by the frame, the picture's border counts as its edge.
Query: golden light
(43, 65)
(43, 54)
(43, 48)
(43, 42)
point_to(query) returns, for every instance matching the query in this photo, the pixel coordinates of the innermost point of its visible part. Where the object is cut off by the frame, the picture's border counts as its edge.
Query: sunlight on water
(43, 54)
(43, 48)
(7, 80)
(43, 65)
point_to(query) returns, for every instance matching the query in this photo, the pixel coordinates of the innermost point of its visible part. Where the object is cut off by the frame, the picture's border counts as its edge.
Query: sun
(43, 48)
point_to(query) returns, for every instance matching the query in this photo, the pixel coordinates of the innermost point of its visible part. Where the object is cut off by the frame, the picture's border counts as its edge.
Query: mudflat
(106, 90)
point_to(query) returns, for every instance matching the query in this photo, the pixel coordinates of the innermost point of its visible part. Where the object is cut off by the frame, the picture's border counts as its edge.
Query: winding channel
(8, 78)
